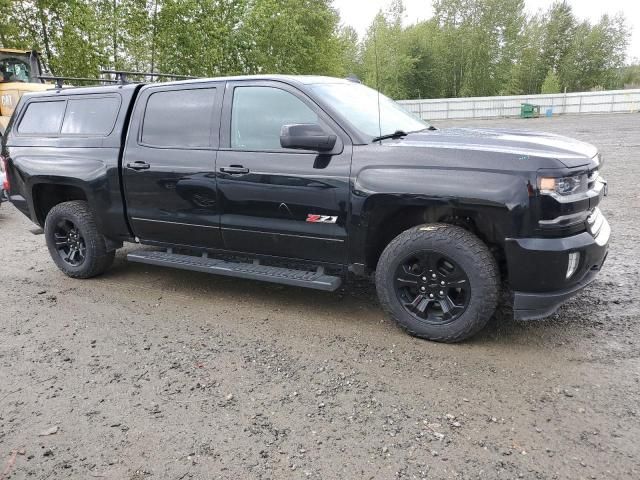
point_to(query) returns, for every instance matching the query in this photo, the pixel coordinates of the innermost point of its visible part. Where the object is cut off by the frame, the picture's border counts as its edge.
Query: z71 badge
(311, 218)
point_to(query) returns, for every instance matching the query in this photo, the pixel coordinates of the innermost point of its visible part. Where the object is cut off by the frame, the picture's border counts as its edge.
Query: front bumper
(538, 268)
(534, 306)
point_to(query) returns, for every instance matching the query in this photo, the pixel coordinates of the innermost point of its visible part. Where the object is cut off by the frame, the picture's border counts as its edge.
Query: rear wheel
(439, 282)
(74, 243)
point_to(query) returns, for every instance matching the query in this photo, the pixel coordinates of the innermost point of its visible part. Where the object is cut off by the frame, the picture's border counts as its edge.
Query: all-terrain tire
(473, 257)
(97, 258)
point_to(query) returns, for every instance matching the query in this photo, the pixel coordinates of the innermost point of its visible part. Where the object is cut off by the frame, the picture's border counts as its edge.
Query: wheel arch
(45, 196)
(389, 200)
(390, 219)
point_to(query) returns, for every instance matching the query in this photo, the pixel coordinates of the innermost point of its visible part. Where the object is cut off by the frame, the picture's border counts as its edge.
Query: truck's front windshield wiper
(400, 134)
(396, 134)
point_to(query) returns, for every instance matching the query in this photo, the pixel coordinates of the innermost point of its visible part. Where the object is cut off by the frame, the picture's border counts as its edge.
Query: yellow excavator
(20, 72)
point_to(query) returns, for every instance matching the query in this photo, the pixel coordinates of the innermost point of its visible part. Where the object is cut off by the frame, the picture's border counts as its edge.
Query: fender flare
(492, 200)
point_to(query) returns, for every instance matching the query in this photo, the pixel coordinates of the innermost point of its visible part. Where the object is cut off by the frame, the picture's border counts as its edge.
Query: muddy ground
(150, 373)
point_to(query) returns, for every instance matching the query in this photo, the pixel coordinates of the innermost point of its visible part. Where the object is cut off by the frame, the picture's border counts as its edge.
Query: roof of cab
(292, 79)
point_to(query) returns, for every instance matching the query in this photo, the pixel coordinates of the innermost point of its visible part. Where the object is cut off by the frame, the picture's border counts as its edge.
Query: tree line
(188, 37)
(467, 48)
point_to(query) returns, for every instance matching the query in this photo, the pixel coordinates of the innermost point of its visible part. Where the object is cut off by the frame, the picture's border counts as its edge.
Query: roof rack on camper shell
(121, 77)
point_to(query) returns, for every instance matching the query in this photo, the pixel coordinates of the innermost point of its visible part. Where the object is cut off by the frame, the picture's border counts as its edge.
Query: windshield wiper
(396, 134)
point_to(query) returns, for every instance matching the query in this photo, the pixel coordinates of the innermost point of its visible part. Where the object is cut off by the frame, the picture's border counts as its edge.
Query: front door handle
(234, 169)
(138, 165)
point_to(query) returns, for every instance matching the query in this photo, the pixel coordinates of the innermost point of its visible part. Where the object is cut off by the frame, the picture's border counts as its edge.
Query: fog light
(574, 260)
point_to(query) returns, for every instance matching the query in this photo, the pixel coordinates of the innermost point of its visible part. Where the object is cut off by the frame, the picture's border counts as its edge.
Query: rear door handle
(138, 166)
(234, 169)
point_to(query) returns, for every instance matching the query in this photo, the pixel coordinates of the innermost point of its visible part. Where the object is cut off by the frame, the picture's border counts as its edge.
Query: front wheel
(75, 244)
(439, 282)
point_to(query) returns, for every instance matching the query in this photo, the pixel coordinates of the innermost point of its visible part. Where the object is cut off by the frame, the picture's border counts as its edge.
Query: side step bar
(253, 271)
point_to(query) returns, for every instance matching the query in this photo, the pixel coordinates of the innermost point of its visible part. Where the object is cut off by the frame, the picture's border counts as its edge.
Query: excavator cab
(20, 66)
(19, 73)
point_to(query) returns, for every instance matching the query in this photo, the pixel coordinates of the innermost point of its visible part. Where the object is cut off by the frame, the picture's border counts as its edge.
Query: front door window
(258, 114)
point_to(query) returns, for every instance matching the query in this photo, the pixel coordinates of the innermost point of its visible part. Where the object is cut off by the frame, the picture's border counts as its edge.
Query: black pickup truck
(301, 180)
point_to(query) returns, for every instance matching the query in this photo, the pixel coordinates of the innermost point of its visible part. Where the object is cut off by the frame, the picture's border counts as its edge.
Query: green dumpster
(527, 110)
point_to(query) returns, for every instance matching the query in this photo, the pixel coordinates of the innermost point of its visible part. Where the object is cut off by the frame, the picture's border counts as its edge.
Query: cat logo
(311, 218)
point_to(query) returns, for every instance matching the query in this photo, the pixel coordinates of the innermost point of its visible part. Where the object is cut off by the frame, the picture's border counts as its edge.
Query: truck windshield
(358, 104)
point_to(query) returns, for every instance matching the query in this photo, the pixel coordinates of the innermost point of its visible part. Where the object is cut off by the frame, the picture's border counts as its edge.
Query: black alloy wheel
(432, 287)
(69, 242)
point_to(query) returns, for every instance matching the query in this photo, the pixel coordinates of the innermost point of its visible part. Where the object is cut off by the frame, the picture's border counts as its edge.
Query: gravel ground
(153, 373)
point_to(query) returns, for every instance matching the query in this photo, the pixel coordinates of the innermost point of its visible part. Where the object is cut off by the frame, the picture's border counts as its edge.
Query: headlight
(563, 185)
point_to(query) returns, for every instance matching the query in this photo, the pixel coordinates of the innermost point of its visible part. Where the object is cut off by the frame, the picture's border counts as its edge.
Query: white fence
(611, 101)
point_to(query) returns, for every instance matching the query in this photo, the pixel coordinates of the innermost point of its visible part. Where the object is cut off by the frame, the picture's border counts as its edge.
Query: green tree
(551, 83)
(195, 37)
(192, 37)
(387, 62)
(527, 71)
(63, 31)
(468, 48)
(8, 30)
(481, 39)
(629, 76)
(351, 60)
(425, 44)
(494, 32)
(596, 54)
(291, 36)
(559, 30)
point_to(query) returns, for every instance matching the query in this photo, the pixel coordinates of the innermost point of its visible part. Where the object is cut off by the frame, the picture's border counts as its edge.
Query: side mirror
(307, 136)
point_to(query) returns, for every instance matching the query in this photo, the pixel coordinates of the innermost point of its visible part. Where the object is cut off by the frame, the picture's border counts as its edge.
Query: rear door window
(90, 116)
(179, 118)
(42, 118)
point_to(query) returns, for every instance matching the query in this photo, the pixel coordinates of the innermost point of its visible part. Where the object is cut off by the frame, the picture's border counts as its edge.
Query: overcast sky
(360, 13)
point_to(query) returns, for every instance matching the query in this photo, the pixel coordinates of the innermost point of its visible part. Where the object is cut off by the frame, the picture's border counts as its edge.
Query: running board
(253, 271)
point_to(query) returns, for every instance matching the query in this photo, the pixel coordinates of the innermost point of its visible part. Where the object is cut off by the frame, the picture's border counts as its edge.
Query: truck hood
(521, 143)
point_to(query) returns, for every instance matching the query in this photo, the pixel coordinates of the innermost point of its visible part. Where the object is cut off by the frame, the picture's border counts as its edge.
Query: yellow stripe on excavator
(13, 50)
